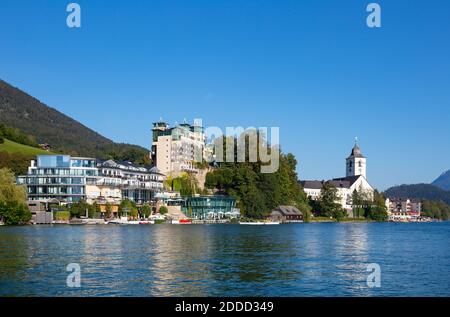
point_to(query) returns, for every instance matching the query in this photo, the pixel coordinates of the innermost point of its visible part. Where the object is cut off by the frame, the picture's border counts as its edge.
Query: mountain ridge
(443, 181)
(22, 111)
(419, 191)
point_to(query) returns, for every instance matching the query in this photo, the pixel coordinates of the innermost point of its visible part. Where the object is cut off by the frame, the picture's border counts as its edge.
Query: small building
(403, 208)
(210, 207)
(286, 214)
(40, 213)
(45, 146)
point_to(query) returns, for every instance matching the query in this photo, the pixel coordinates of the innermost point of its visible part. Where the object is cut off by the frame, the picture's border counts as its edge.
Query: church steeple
(356, 162)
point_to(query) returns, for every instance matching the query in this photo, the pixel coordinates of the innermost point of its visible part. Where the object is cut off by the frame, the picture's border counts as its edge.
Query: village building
(355, 180)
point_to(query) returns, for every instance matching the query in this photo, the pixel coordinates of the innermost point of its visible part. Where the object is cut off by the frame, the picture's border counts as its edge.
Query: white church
(355, 179)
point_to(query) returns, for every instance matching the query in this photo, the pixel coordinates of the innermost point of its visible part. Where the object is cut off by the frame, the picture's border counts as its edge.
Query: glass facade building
(210, 207)
(71, 179)
(59, 177)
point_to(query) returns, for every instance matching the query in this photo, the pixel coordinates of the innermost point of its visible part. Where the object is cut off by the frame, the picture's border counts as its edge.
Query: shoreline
(217, 223)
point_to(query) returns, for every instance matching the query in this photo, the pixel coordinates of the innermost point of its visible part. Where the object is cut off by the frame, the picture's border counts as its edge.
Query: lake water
(317, 259)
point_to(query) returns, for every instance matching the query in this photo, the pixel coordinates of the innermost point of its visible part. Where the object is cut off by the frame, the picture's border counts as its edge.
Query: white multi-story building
(355, 180)
(404, 206)
(176, 150)
(70, 179)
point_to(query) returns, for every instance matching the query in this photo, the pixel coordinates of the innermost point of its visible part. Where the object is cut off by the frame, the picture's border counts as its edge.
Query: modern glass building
(59, 177)
(71, 179)
(210, 207)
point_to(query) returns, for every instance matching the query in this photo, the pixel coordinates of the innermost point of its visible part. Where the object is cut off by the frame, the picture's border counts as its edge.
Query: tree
(9, 191)
(146, 211)
(186, 184)
(14, 213)
(128, 207)
(327, 205)
(377, 211)
(108, 211)
(256, 193)
(163, 210)
(435, 209)
(13, 210)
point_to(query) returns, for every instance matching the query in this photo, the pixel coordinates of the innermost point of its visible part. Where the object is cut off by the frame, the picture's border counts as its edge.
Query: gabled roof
(312, 184)
(288, 210)
(338, 183)
(350, 179)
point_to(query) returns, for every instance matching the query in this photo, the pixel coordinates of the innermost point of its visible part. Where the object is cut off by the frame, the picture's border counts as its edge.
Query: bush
(163, 210)
(14, 213)
(61, 215)
(146, 211)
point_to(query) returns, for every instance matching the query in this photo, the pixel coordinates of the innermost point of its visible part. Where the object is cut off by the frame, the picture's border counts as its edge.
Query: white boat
(133, 222)
(146, 222)
(120, 221)
(125, 221)
(259, 223)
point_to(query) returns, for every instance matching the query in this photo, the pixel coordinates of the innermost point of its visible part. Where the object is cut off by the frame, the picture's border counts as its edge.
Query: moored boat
(181, 222)
(146, 222)
(260, 223)
(120, 221)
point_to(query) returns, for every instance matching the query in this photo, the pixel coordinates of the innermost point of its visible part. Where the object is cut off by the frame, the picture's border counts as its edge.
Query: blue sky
(312, 68)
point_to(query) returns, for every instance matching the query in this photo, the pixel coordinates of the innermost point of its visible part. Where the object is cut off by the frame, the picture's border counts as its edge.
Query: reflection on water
(226, 260)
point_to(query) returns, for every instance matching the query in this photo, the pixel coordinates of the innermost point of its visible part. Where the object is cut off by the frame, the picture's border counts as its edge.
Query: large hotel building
(71, 179)
(175, 150)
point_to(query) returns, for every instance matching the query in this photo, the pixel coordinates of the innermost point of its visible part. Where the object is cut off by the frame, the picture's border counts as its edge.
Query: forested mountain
(443, 181)
(419, 191)
(64, 134)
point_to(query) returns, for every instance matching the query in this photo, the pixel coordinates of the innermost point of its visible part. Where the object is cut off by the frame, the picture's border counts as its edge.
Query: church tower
(356, 162)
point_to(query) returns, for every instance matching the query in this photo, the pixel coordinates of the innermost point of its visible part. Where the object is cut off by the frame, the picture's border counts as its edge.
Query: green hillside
(25, 113)
(13, 147)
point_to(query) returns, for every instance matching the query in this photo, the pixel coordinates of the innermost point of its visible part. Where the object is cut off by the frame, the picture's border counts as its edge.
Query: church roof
(356, 152)
(312, 184)
(349, 179)
(343, 182)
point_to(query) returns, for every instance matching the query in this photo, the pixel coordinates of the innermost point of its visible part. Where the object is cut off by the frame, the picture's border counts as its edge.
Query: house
(403, 208)
(286, 214)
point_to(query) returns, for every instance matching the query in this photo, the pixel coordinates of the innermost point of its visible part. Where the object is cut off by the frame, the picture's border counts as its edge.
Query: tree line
(17, 136)
(13, 210)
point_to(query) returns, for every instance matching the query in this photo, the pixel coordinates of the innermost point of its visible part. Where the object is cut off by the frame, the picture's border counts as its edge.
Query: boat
(146, 222)
(133, 222)
(260, 223)
(120, 221)
(182, 222)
